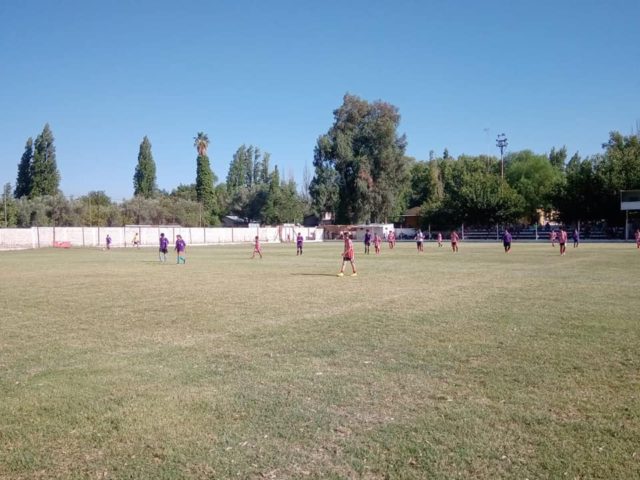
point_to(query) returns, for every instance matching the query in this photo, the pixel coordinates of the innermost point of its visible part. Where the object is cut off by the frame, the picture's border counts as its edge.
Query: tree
(558, 157)
(534, 178)
(44, 171)
(144, 179)
(24, 182)
(323, 188)
(9, 209)
(185, 192)
(98, 209)
(205, 180)
(421, 183)
(241, 169)
(201, 142)
(367, 154)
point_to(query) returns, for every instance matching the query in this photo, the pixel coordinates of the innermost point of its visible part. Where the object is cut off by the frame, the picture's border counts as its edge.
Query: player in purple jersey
(181, 248)
(506, 241)
(108, 242)
(299, 243)
(164, 248)
(367, 241)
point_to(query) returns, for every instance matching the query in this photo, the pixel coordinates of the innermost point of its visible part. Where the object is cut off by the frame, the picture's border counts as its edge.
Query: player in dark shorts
(562, 237)
(348, 255)
(164, 248)
(367, 241)
(299, 243)
(506, 241)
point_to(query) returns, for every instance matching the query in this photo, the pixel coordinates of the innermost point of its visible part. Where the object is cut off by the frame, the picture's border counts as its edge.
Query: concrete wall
(37, 237)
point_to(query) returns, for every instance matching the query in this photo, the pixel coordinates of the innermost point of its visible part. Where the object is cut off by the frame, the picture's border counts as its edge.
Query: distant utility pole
(501, 143)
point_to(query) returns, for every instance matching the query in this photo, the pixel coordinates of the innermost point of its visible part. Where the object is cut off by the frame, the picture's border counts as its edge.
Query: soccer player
(576, 238)
(419, 241)
(562, 238)
(506, 241)
(256, 248)
(376, 243)
(553, 236)
(391, 238)
(638, 238)
(164, 248)
(348, 255)
(108, 242)
(439, 239)
(299, 242)
(367, 241)
(181, 248)
(454, 241)
(136, 241)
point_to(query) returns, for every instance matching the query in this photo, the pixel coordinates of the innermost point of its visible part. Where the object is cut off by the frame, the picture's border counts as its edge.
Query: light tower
(501, 143)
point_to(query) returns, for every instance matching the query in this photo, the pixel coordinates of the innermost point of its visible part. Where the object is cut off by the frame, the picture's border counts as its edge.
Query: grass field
(477, 365)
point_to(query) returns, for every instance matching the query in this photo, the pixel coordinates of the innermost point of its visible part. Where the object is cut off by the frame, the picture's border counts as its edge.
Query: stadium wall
(39, 237)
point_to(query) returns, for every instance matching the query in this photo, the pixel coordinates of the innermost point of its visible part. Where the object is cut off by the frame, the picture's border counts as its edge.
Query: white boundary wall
(37, 237)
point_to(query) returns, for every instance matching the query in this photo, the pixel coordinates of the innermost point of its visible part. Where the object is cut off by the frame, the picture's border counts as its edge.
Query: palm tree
(201, 142)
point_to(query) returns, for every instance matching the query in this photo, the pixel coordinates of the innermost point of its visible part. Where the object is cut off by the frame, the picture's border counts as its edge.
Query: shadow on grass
(314, 274)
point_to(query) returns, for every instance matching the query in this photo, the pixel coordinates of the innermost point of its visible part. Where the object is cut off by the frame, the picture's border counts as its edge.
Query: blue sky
(270, 73)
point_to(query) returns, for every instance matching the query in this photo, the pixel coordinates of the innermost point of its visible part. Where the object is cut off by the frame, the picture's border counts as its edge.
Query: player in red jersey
(348, 255)
(562, 238)
(256, 248)
(376, 243)
(638, 238)
(391, 238)
(454, 241)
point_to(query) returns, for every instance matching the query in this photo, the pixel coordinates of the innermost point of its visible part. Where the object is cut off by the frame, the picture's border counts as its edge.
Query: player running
(181, 248)
(506, 241)
(576, 238)
(638, 238)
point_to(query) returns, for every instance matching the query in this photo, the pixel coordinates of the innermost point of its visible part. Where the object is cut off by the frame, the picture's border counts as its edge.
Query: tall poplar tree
(44, 170)
(24, 182)
(205, 178)
(144, 179)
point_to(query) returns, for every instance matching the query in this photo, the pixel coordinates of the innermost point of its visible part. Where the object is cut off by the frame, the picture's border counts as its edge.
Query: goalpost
(629, 200)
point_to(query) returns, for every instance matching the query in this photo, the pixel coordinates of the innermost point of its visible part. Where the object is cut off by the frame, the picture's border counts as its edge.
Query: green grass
(475, 365)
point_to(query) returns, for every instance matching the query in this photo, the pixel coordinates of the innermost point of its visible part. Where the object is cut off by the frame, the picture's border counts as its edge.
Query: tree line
(361, 175)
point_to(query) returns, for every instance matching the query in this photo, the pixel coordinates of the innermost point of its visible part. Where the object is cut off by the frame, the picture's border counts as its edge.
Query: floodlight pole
(501, 143)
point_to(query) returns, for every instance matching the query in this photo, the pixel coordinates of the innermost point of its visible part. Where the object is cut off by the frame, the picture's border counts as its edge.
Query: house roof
(412, 212)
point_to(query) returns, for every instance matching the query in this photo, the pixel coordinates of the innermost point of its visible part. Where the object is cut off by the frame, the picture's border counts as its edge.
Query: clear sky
(270, 73)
